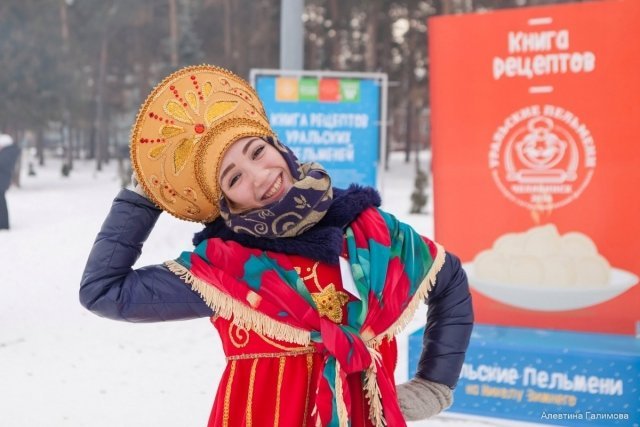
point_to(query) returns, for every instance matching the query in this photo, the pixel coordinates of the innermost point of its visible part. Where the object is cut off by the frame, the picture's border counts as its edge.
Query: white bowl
(550, 298)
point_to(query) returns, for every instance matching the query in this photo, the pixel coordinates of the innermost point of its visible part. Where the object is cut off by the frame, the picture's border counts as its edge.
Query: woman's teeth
(274, 189)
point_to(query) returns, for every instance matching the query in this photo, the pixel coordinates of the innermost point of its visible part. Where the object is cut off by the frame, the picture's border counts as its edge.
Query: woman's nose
(259, 176)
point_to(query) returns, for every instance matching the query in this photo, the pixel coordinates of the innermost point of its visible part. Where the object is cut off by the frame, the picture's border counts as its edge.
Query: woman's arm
(449, 325)
(111, 288)
(446, 338)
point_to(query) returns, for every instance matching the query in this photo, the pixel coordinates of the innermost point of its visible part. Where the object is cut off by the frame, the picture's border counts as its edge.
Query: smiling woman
(268, 193)
(306, 284)
(254, 174)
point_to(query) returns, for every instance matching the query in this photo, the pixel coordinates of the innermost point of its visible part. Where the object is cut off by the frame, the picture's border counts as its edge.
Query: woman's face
(253, 174)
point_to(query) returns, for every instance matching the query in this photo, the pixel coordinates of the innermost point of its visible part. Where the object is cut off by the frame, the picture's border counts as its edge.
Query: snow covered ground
(63, 366)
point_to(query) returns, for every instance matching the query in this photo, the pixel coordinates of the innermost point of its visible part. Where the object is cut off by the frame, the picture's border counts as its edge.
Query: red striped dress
(272, 383)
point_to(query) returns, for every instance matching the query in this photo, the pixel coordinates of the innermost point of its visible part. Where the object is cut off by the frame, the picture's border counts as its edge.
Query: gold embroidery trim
(181, 154)
(306, 399)
(175, 110)
(252, 380)
(277, 345)
(313, 275)
(238, 336)
(329, 302)
(297, 352)
(200, 167)
(227, 395)
(276, 420)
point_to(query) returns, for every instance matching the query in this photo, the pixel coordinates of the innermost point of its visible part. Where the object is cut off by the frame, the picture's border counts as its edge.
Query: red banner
(536, 161)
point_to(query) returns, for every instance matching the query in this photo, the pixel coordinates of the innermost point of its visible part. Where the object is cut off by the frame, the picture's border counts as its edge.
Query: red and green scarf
(393, 268)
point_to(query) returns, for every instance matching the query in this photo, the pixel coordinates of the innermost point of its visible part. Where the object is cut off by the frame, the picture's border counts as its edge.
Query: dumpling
(592, 271)
(525, 270)
(491, 265)
(509, 244)
(542, 241)
(577, 244)
(559, 271)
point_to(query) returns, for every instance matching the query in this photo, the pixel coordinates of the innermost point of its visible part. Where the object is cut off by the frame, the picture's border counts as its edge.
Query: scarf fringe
(427, 284)
(315, 415)
(343, 413)
(372, 390)
(241, 315)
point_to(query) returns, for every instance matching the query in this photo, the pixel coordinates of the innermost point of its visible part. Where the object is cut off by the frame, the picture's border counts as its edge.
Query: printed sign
(548, 377)
(330, 120)
(542, 157)
(535, 118)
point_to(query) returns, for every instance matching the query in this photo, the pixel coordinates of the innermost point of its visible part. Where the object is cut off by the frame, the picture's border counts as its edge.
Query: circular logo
(542, 157)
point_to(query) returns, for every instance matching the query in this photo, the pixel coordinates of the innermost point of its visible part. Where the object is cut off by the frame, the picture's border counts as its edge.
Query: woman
(306, 284)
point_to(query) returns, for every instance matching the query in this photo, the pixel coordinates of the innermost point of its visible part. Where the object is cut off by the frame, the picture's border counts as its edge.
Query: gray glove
(136, 187)
(420, 399)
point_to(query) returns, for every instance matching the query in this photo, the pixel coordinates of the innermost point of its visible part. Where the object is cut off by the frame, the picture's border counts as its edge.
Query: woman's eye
(233, 180)
(257, 152)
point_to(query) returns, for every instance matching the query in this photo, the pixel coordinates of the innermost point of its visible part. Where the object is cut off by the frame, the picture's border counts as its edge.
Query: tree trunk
(383, 64)
(40, 146)
(100, 120)
(228, 30)
(411, 94)
(370, 53)
(239, 46)
(334, 15)
(173, 33)
(66, 115)
(409, 105)
(447, 7)
(409, 144)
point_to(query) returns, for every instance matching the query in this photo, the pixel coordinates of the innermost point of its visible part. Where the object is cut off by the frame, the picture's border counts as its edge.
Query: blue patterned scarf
(304, 205)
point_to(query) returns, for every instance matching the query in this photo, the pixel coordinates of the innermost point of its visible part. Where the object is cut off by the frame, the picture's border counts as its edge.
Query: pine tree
(419, 197)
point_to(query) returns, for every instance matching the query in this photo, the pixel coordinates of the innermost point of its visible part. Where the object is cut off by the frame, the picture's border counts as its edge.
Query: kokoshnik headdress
(183, 130)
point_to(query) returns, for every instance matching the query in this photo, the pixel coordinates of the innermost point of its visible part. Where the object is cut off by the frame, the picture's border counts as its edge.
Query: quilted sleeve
(449, 325)
(111, 288)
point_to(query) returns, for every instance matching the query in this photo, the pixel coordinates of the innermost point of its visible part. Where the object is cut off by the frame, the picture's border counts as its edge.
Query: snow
(62, 365)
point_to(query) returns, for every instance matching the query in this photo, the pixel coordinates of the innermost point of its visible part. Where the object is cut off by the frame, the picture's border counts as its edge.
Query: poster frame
(381, 79)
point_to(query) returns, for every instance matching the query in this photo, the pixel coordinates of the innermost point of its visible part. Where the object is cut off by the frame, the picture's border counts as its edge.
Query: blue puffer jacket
(112, 289)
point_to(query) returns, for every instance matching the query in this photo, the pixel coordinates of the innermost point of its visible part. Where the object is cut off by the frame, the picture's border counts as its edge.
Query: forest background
(74, 72)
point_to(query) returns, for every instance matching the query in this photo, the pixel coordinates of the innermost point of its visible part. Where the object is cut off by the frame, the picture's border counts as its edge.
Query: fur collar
(322, 243)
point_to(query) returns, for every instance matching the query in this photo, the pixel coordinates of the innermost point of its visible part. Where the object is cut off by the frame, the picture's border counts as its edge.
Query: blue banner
(547, 377)
(332, 121)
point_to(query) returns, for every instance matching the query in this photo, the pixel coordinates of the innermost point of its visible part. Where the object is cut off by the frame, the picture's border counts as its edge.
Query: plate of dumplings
(540, 269)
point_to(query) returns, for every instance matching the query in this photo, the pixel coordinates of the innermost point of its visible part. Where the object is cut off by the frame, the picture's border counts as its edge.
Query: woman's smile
(275, 188)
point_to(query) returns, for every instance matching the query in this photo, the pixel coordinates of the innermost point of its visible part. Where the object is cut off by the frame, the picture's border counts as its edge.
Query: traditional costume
(307, 293)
